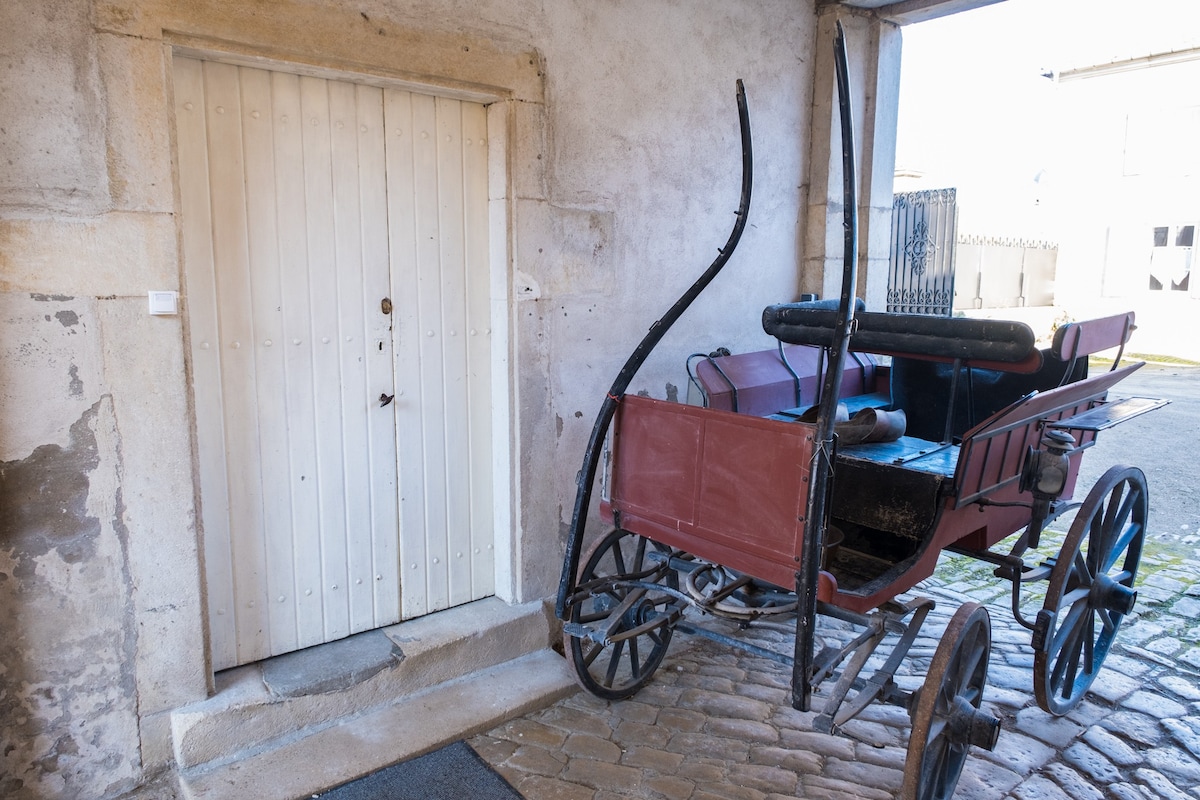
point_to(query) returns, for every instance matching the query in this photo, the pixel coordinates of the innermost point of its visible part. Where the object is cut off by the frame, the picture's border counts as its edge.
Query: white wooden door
(335, 255)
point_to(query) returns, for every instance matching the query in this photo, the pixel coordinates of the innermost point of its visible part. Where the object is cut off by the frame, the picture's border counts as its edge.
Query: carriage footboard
(1109, 414)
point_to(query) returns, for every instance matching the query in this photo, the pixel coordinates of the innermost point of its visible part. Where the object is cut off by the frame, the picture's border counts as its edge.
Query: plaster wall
(617, 184)
(873, 51)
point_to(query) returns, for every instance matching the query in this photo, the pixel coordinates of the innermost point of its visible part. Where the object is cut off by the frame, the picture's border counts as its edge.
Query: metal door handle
(384, 399)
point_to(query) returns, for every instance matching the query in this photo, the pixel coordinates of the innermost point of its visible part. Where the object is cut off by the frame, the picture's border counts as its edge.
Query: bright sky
(974, 107)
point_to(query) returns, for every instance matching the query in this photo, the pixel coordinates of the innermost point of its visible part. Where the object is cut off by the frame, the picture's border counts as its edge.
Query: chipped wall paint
(67, 688)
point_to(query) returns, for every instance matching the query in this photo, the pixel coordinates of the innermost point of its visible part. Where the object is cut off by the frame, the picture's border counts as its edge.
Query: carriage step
(1028, 574)
(581, 631)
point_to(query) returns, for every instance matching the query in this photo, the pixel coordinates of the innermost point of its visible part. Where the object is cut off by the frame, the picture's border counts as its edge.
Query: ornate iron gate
(921, 273)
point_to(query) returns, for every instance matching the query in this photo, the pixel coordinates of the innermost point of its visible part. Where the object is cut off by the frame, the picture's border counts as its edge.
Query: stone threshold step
(258, 705)
(413, 726)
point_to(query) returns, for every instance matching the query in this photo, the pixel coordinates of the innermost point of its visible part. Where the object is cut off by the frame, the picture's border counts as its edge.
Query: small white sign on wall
(163, 304)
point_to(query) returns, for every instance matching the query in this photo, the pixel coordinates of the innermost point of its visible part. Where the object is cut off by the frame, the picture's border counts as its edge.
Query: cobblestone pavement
(715, 722)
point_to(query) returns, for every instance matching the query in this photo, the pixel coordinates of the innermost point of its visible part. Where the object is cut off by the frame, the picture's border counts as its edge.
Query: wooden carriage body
(731, 488)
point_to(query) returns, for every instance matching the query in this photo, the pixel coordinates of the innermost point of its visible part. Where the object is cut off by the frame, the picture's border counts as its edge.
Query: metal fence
(1004, 272)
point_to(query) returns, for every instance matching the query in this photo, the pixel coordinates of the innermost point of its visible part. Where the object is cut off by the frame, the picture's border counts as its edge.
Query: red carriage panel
(726, 487)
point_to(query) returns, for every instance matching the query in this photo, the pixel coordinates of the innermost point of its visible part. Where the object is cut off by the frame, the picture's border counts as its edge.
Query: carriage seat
(989, 363)
(923, 387)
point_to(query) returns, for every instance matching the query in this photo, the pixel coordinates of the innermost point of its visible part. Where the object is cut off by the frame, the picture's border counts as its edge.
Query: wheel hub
(973, 726)
(1112, 596)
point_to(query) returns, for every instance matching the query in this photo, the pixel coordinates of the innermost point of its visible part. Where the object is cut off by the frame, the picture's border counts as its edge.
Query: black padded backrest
(940, 338)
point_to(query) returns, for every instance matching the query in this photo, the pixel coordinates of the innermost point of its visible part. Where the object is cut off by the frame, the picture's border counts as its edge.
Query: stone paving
(716, 722)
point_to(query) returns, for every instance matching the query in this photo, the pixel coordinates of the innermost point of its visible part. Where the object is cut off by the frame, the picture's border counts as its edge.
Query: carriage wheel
(947, 719)
(635, 648)
(1091, 589)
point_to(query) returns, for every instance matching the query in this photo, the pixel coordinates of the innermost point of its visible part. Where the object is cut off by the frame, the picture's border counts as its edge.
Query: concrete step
(443, 677)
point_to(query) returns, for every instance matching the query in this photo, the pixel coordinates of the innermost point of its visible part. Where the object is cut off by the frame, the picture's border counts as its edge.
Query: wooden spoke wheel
(947, 720)
(1091, 589)
(636, 620)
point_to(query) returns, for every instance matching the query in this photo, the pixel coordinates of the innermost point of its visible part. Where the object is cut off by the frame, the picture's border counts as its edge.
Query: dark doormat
(456, 772)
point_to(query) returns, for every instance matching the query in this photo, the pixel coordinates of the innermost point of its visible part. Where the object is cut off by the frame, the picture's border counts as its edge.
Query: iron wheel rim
(1085, 583)
(617, 670)
(937, 749)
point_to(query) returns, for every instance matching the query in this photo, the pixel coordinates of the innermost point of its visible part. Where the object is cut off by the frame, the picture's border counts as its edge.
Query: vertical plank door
(437, 188)
(309, 206)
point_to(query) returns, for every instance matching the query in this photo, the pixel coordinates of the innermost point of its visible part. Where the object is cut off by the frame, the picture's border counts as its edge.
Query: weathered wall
(645, 160)
(67, 692)
(98, 571)
(873, 48)
(622, 176)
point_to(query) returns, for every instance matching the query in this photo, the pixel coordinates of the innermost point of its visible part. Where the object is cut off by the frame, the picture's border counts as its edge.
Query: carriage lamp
(1045, 476)
(1045, 472)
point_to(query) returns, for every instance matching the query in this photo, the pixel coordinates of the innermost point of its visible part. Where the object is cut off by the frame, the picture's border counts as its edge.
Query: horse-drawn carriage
(829, 488)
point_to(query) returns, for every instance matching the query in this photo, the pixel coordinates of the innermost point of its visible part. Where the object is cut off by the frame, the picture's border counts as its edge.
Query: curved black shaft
(591, 457)
(822, 458)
